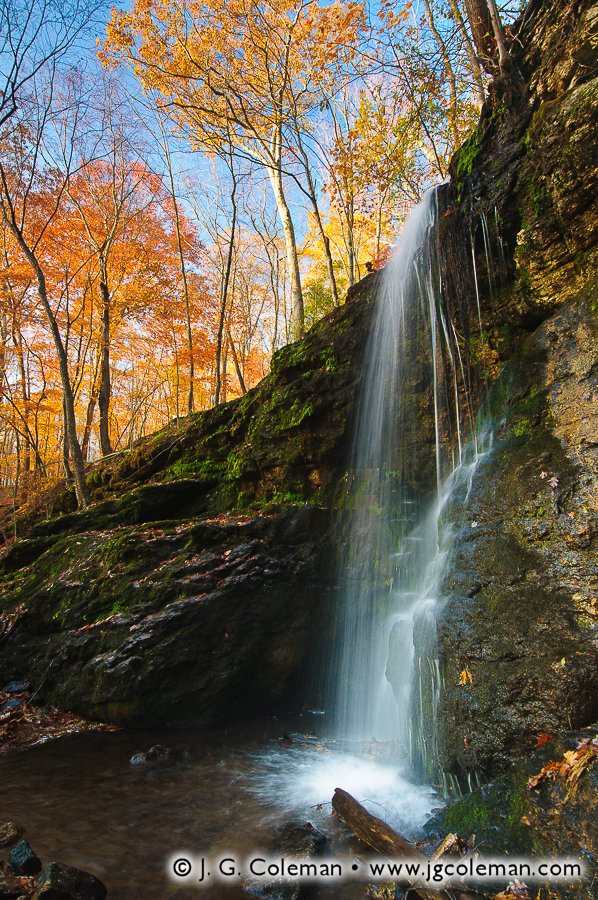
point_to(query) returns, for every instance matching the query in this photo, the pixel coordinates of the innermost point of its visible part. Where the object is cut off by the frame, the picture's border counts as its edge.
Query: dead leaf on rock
(571, 767)
(577, 761)
(465, 676)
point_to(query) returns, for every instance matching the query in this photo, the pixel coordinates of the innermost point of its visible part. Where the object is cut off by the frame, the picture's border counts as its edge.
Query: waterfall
(407, 461)
(413, 460)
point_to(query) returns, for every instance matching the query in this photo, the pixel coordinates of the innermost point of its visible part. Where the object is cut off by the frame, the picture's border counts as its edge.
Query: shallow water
(84, 804)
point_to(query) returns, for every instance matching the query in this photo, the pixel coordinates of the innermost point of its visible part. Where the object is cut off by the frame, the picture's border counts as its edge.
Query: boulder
(23, 861)
(10, 833)
(57, 881)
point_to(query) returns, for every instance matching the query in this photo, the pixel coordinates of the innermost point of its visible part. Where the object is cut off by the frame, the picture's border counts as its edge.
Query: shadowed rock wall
(521, 596)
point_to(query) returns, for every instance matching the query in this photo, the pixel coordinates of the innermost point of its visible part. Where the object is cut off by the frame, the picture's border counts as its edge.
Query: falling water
(407, 461)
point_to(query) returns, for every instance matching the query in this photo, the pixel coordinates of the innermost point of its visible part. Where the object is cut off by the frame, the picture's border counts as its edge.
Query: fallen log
(371, 830)
(378, 834)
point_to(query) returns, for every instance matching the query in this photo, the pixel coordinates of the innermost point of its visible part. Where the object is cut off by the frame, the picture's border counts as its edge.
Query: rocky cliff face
(520, 609)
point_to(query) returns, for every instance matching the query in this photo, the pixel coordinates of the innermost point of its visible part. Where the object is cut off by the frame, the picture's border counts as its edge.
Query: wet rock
(155, 755)
(60, 882)
(10, 833)
(216, 623)
(519, 611)
(300, 839)
(275, 890)
(505, 815)
(294, 841)
(23, 861)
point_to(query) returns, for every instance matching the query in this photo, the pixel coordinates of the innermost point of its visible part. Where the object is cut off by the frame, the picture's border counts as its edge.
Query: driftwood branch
(381, 837)
(371, 830)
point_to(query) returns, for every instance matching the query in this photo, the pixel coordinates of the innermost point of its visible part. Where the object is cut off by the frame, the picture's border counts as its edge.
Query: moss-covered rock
(162, 602)
(520, 612)
(550, 821)
(525, 183)
(187, 622)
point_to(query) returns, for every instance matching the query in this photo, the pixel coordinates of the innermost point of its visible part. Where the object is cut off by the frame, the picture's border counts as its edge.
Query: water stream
(223, 793)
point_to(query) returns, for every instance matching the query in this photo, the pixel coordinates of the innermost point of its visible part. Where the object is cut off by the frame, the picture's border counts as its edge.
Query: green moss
(537, 195)
(469, 814)
(193, 466)
(467, 154)
(493, 814)
(522, 427)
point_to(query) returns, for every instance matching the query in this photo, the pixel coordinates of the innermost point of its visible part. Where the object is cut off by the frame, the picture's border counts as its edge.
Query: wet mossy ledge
(524, 185)
(186, 593)
(180, 622)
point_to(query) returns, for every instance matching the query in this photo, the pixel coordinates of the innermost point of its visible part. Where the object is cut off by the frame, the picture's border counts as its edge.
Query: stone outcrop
(520, 598)
(284, 441)
(165, 602)
(187, 622)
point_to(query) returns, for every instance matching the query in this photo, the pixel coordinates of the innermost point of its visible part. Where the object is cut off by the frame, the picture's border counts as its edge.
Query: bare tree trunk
(476, 70)
(88, 423)
(70, 427)
(379, 225)
(177, 224)
(323, 236)
(178, 374)
(18, 342)
(224, 294)
(482, 30)
(236, 362)
(224, 371)
(105, 386)
(66, 456)
(297, 310)
(499, 34)
(350, 247)
(90, 411)
(450, 74)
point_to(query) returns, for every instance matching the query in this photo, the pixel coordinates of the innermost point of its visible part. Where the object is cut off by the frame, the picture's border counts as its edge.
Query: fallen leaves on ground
(571, 767)
(26, 724)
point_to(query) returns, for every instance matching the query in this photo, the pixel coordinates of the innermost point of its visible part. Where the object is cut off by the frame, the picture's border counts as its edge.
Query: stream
(84, 804)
